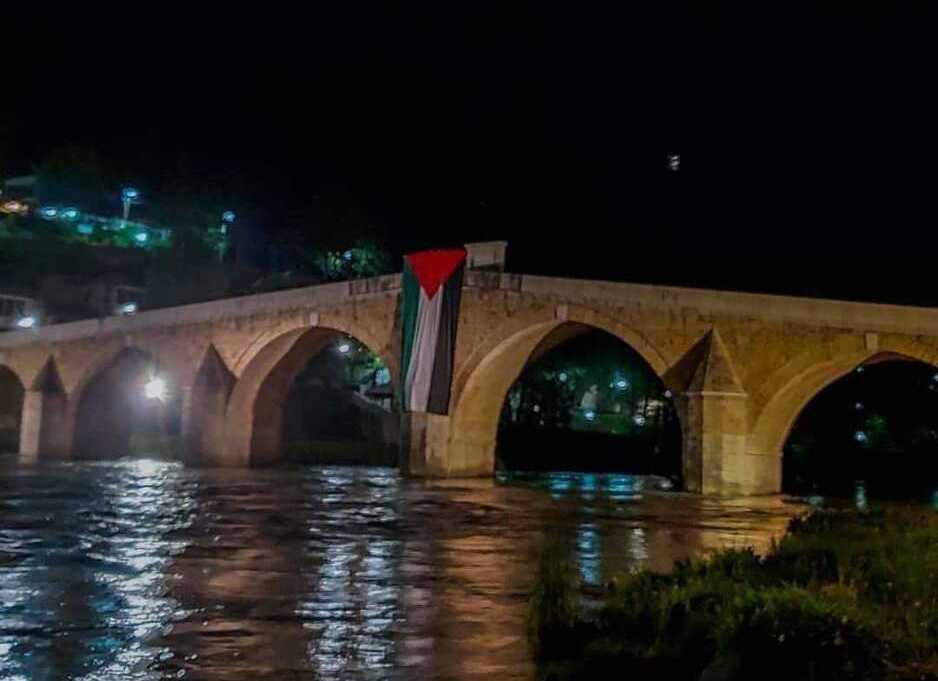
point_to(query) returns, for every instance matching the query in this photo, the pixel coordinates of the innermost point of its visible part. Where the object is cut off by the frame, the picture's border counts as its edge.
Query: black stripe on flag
(442, 380)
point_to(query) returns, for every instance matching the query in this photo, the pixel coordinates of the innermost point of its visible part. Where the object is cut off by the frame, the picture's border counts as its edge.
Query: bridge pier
(204, 412)
(203, 424)
(716, 460)
(428, 450)
(424, 445)
(45, 426)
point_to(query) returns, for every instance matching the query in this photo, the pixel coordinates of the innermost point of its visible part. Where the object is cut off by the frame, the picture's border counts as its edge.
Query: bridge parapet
(309, 297)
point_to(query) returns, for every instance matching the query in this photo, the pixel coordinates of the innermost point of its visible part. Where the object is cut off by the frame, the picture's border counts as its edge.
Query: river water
(148, 570)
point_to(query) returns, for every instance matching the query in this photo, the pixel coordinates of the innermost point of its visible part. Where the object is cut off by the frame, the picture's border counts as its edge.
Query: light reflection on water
(145, 570)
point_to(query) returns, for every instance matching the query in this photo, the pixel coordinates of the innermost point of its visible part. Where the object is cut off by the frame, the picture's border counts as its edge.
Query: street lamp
(155, 389)
(227, 218)
(16, 207)
(129, 196)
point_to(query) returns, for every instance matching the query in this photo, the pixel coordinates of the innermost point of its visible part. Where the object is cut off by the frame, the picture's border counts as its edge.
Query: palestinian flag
(432, 287)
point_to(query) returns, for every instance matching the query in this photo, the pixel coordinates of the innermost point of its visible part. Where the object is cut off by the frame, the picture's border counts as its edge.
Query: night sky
(806, 137)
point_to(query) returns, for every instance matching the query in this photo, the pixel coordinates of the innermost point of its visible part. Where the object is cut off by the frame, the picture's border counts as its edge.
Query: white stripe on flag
(420, 371)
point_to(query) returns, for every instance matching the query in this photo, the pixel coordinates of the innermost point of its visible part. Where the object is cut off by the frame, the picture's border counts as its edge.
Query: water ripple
(144, 570)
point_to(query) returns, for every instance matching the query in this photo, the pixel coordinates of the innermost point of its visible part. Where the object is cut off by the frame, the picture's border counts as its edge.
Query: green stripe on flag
(410, 306)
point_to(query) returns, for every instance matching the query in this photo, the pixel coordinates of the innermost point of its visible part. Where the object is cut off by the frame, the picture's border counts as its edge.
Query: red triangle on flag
(432, 268)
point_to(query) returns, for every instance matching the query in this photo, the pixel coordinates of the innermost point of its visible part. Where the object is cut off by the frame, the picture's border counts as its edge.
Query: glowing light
(14, 207)
(155, 389)
(149, 467)
(536, 408)
(860, 436)
(85, 229)
(622, 384)
(589, 550)
(344, 348)
(639, 420)
(858, 406)
(668, 394)
(27, 322)
(48, 212)
(128, 308)
(562, 377)
(859, 370)
(70, 214)
(559, 482)
(590, 415)
(859, 497)
(347, 255)
(674, 162)
(141, 237)
(228, 216)
(130, 194)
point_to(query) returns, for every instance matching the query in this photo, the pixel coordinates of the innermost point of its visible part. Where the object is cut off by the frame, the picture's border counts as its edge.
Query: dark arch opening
(587, 401)
(11, 409)
(872, 432)
(121, 411)
(335, 403)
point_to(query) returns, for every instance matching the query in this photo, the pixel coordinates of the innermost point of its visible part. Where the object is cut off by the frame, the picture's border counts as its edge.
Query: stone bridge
(740, 366)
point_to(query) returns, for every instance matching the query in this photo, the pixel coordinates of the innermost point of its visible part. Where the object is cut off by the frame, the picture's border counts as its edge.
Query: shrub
(845, 595)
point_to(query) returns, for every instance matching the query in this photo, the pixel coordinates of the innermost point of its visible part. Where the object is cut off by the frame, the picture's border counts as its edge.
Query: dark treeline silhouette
(877, 426)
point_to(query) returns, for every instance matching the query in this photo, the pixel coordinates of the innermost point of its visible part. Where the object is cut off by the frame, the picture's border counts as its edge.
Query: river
(148, 570)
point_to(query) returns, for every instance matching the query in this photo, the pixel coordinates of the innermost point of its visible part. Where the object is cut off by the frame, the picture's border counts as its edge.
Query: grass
(844, 595)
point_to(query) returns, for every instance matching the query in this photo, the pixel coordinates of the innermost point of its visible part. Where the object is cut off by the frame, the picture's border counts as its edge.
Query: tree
(332, 239)
(184, 273)
(75, 176)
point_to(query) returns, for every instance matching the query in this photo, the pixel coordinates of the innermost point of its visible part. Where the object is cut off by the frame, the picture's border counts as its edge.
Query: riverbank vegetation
(844, 595)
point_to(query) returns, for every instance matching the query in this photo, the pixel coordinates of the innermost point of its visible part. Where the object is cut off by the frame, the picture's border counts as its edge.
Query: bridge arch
(481, 387)
(789, 390)
(12, 394)
(109, 402)
(14, 373)
(105, 355)
(254, 415)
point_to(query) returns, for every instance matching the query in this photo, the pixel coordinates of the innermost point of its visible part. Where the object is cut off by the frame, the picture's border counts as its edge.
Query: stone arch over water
(253, 433)
(788, 391)
(481, 388)
(111, 405)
